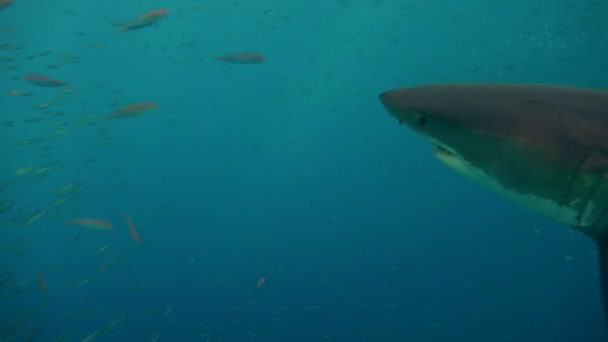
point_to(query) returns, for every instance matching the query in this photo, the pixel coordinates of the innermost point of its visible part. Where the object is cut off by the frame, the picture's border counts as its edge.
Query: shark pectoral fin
(602, 243)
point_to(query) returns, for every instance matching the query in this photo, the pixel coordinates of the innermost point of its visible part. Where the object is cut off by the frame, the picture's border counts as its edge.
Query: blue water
(289, 170)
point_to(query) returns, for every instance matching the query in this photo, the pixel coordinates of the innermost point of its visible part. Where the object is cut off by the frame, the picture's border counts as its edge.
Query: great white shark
(542, 146)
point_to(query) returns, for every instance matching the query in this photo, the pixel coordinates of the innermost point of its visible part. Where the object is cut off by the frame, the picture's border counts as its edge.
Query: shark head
(544, 147)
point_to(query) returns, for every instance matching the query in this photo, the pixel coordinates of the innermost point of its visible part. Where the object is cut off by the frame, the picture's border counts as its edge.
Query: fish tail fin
(602, 243)
(124, 28)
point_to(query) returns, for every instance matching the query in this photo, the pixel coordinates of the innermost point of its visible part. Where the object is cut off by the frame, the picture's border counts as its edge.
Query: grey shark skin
(543, 146)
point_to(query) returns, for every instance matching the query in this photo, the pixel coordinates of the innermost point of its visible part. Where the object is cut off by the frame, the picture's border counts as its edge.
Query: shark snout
(397, 103)
(390, 101)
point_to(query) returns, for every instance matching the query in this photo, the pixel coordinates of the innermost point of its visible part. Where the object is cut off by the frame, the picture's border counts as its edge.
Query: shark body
(542, 146)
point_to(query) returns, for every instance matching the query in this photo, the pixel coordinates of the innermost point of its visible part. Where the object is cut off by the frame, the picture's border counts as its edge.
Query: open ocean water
(225, 171)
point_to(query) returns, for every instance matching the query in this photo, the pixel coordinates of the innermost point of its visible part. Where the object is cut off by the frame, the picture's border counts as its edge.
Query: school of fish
(50, 92)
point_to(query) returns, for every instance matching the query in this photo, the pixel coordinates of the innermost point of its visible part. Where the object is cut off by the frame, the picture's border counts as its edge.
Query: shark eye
(422, 120)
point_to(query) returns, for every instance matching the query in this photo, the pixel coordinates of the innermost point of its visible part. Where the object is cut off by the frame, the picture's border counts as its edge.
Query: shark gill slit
(593, 229)
(568, 197)
(571, 183)
(585, 208)
(599, 231)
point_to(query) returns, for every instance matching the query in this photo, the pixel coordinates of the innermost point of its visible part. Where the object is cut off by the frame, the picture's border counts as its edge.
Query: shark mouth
(453, 160)
(443, 152)
(563, 211)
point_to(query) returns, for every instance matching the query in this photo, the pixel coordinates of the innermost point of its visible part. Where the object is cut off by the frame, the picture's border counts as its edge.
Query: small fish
(97, 46)
(41, 281)
(106, 263)
(242, 58)
(91, 336)
(24, 170)
(55, 113)
(132, 228)
(59, 202)
(66, 187)
(90, 223)
(34, 218)
(17, 93)
(61, 131)
(48, 167)
(23, 142)
(10, 47)
(6, 205)
(168, 311)
(83, 283)
(131, 110)
(260, 282)
(43, 81)
(42, 105)
(145, 19)
(5, 3)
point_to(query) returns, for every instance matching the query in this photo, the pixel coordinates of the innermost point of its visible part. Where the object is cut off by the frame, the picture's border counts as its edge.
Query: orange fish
(5, 3)
(90, 223)
(242, 58)
(43, 81)
(132, 228)
(41, 281)
(131, 110)
(260, 282)
(145, 19)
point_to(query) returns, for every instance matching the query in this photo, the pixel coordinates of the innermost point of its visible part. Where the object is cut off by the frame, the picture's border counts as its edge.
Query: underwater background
(225, 171)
